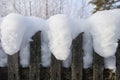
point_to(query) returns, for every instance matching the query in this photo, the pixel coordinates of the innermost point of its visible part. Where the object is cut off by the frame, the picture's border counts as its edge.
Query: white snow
(16, 31)
(101, 31)
(3, 56)
(105, 31)
(88, 50)
(110, 63)
(60, 38)
(63, 29)
(12, 32)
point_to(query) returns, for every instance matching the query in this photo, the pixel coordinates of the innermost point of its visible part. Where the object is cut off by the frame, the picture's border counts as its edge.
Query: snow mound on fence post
(60, 38)
(105, 30)
(17, 30)
(12, 32)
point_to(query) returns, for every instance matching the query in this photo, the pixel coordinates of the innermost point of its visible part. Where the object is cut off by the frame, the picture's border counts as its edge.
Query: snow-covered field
(101, 32)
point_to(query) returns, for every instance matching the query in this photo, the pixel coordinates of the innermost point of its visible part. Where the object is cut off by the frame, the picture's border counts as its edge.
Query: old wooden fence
(56, 72)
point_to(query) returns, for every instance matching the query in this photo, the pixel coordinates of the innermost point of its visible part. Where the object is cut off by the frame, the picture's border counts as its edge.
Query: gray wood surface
(77, 61)
(35, 51)
(55, 69)
(98, 67)
(13, 67)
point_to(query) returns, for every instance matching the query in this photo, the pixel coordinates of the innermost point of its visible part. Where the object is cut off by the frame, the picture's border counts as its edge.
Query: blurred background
(47, 8)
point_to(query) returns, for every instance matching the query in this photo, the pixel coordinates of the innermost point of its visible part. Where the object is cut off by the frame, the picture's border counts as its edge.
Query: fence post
(77, 58)
(118, 62)
(45, 73)
(88, 74)
(55, 69)
(13, 67)
(24, 73)
(35, 54)
(98, 67)
(3, 73)
(66, 73)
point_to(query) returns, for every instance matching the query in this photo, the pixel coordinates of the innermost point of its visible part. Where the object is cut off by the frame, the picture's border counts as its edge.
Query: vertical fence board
(118, 62)
(24, 73)
(77, 62)
(98, 67)
(88, 74)
(66, 73)
(55, 69)
(56, 72)
(45, 73)
(13, 67)
(35, 51)
(3, 73)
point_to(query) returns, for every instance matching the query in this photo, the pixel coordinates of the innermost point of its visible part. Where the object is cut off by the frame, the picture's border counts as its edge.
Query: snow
(16, 31)
(101, 32)
(60, 38)
(12, 33)
(88, 50)
(110, 63)
(3, 56)
(62, 30)
(105, 31)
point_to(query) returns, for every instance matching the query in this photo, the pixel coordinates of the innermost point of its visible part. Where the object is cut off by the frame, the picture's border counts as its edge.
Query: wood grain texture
(98, 67)
(13, 67)
(118, 62)
(77, 58)
(35, 57)
(55, 69)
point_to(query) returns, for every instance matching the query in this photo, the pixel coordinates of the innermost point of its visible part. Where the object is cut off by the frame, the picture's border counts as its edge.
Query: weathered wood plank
(118, 62)
(66, 73)
(55, 69)
(98, 67)
(88, 74)
(24, 73)
(13, 67)
(35, 54)
(3, 73)
(77, 62)
(45, 73)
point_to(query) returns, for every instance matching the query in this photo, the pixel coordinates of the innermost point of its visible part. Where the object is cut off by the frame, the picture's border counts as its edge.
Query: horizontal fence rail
(56, 72)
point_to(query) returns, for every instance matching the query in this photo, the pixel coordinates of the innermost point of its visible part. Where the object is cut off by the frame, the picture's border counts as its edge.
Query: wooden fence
(56, 72)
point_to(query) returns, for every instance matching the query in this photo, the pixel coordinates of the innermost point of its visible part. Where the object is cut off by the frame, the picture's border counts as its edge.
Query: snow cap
(60, 38)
